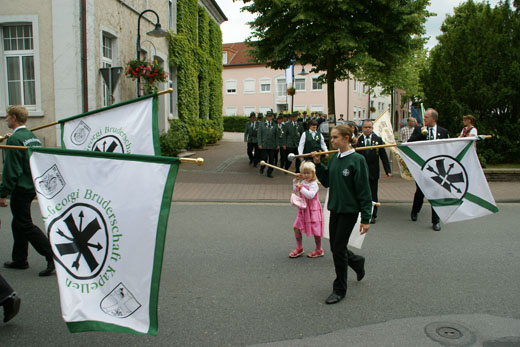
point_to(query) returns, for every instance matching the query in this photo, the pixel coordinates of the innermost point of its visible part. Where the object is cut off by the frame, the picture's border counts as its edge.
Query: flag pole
(162, 92)
(198, 161)
(291, 156)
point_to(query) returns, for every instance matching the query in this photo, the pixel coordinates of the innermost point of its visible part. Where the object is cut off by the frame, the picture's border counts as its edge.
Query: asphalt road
(227, 281)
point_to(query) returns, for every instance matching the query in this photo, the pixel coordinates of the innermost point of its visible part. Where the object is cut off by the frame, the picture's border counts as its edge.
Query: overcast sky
(236, 29)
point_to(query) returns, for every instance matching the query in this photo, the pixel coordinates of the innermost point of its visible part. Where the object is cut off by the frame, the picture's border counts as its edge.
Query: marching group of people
(351, 175)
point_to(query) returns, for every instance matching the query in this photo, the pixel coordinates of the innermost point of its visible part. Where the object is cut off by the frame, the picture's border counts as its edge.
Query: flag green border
(155, 126)
(162, 225)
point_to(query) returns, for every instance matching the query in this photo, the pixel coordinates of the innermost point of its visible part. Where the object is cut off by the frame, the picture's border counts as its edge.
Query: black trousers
(373, 189)
(268, 157)
(251, 151)
(280, 156)
(418, 202)
(5, 290)
(297, 161)
(24, 231)
(340, 228)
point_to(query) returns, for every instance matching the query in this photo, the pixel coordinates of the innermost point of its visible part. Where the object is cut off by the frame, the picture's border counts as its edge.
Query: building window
(355, 84)
(300, 108)
(316, 108)
(171, 15)
(249, 86)
(265, 85)
(316, 84)
(372, 103)
(224, 58)
(106, 62)
(264, 109)
(231, 111)
(19, 61)
(231, 87)
(248, 110)
(299, 83)
(281, 87)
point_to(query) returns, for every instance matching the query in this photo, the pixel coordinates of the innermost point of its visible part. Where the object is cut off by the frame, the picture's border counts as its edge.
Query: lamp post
(156, 32)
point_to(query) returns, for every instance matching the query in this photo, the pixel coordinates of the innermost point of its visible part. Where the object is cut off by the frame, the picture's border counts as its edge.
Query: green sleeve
(363, 193)
(11, 172)
(322, 172)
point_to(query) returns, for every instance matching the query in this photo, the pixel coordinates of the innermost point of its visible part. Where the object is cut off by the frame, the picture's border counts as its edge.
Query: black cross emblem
(111, 147)
(79, 241)
(445, 178)
(108, 144)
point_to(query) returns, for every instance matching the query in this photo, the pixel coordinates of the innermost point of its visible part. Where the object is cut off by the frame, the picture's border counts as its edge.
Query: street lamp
(303, 72)
(156, 32)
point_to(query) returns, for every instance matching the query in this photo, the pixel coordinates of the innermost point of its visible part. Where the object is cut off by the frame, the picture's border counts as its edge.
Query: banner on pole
(129, 127)
(107, 240)
(383, 128)
(450, 176)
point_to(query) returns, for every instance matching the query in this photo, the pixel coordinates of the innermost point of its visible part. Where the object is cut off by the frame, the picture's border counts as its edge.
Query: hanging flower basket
(291, 91)
(150, 73)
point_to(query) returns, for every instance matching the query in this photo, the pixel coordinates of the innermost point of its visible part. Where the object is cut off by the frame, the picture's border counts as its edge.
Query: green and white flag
(106, 216)
(450, 176)
(128, 127)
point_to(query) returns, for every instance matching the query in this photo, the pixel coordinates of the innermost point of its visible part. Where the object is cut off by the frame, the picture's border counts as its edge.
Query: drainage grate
(450, 334)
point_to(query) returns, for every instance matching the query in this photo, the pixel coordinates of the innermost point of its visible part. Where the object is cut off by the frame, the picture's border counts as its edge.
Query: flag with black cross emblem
(128, 127)
(106, 216)
(450, 176)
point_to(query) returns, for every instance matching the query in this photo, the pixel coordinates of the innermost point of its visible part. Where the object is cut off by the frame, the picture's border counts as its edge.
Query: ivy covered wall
(196, 51)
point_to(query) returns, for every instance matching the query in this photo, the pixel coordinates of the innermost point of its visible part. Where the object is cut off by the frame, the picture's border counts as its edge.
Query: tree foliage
(475, 69)
(336, 37)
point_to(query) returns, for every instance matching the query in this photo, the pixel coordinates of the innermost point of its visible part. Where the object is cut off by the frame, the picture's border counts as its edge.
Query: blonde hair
(309, 166)
(18, 112)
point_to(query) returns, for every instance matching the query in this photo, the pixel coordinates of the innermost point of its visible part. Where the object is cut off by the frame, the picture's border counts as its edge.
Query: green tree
(336, 36)
(475, 68)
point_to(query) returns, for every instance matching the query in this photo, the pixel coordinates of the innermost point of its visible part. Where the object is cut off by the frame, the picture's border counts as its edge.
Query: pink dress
(310, 219)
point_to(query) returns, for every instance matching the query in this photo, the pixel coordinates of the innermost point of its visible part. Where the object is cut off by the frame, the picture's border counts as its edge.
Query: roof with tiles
(237, 54)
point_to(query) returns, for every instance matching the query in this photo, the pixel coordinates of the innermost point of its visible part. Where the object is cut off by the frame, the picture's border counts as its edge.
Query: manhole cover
(449, 334)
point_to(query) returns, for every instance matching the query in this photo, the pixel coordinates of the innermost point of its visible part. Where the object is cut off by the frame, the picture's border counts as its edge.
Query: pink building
(250, 87)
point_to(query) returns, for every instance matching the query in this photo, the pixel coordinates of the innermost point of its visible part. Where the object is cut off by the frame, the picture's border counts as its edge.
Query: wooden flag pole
(162, 92)
(198, 161)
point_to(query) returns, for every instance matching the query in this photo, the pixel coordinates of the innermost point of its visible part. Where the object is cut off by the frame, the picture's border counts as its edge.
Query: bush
(175, 139)
(236, 124)
(197, 134)
(214, 131)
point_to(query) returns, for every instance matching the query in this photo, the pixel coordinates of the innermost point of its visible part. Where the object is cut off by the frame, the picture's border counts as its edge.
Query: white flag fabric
(450, 176)
(129, 127)
(289, 74)
(356, 238)
(383, 128)
(106, 216)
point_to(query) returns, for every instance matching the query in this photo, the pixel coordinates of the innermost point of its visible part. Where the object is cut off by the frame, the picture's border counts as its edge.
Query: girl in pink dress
(309, 220)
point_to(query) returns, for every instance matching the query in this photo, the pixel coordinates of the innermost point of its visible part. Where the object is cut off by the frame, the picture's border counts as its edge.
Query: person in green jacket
(250, 137)
(347, 177)
(17, 182)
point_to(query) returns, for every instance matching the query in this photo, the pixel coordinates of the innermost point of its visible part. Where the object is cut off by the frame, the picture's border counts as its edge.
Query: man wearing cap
(280, 136)
(293, 132)
(267, 143)
(250, 137)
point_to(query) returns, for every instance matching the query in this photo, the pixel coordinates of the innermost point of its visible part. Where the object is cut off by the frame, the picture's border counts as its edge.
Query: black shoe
(11, 307)
(269, 175)
(373, 220)
(16, 265)
(48, 271)
(436, 227)
(334, 298)
(261, 172)
(250, 161)
(414, 217)
(361, 273)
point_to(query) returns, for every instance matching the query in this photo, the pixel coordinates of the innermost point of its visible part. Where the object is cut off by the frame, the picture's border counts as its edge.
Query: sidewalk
(226, 176)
